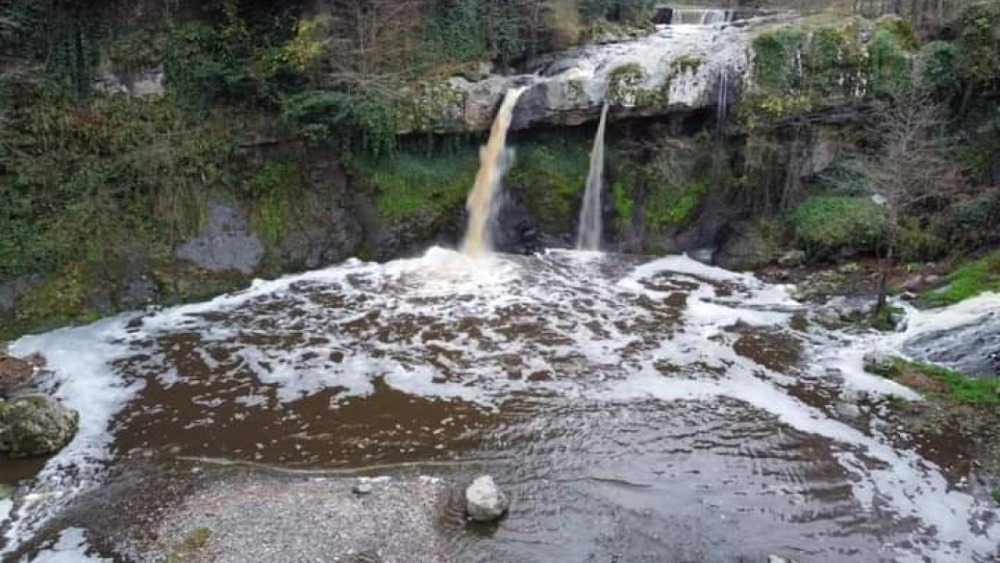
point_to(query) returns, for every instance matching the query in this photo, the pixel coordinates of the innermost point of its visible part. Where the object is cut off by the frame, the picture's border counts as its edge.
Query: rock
(914, 283)
(850, 310)
(364, 488)
(743, 247)
(972, 349)
(17, 373)
(792, 258)
(847, 410)
(849, 268)
(777, 559)
(484, 501)
(878, 362)
(827, 317)
(35, 425)
(225, 243)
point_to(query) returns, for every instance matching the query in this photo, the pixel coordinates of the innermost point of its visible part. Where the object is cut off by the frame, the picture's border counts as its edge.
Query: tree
(913, 168)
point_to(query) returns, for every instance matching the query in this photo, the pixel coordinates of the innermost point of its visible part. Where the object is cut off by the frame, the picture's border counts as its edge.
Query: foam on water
(449, 326)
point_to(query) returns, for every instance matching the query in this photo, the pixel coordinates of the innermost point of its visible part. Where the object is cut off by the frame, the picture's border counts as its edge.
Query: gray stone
(792, 258)
(913, 283)
(484, 501)
(847, 410)
(743, 247)
(364, 488)
(878, 362)
(35, 425)
(777, 559)
(225, 243)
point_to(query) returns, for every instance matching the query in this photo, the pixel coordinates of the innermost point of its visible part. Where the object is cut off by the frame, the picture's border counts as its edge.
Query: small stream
(632, 408)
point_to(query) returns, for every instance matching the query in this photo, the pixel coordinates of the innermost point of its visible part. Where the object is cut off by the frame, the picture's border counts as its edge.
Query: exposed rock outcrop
(35, 425)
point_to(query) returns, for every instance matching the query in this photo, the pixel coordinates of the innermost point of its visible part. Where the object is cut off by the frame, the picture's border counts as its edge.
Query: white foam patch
(71, 547)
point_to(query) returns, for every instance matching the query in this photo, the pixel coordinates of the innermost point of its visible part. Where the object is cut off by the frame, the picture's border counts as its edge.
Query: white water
(592, 329)
(494, 162)
(699, 16)
(589, 236)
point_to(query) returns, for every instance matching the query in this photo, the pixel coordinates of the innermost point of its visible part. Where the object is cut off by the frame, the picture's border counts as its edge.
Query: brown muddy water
(633, 410)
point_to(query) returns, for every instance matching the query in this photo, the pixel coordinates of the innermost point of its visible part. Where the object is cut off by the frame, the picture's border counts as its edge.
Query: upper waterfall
(494, 161)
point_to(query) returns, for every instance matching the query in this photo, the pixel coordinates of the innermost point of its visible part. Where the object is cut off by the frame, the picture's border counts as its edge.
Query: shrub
(969, 280)
(775, 54)
(937, 70)
(890, 63)
(367, 121)
(826, 225)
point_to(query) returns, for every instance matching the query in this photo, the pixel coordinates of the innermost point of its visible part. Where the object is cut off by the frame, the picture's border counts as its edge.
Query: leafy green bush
(367, 120)
(890, 61)
(848, 177)
(937, 70)
(978, 43)
(826, 225)
(969, 280)
(775, 53)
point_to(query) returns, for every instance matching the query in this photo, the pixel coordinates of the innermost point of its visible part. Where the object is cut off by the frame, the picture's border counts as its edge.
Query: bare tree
(913, 169)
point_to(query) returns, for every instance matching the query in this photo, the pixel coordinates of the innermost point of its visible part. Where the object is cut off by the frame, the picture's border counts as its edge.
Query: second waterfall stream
(589, 236)
(494, 160)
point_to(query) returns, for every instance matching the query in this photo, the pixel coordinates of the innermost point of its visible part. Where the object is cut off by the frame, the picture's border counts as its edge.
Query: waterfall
(722, 102)
(589, 237)
(494, 160)
(698, 16)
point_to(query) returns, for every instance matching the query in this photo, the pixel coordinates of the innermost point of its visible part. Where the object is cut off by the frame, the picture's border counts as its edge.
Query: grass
(969, 280)
(961, 389)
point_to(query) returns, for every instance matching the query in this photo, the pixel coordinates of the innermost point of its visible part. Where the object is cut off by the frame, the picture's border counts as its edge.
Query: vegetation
(950, 384)
(825, 225)
(969, 280)
(555, 170)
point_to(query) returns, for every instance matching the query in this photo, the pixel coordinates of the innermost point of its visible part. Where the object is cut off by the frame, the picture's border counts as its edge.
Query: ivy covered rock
(35, 425)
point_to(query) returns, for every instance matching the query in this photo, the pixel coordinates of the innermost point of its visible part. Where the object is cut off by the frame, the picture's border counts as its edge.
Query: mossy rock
(35, 425)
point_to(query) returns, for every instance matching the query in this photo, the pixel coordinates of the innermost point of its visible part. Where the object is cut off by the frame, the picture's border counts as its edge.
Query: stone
(363, 488)
(484, 501)
(35, 425)
(17, 373)
(225, 243)
(847, 410)
(792, 258)
(777, 559)
(878, 362)
(913, 283)
(849, 268)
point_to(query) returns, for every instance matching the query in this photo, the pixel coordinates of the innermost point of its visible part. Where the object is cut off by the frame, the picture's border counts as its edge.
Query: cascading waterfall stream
(589, 236)
(494, 160)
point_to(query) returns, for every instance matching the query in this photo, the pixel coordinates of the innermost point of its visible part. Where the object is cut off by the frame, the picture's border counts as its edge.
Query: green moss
(410, 182)
(825, 225)
(686, 63)
(275, 191)
(6, 490)
(61, 300)
(882, 320)
(968, 281)
(624, 203)
(553, 175)
(625, 84)
(673, 205)
(996, 495)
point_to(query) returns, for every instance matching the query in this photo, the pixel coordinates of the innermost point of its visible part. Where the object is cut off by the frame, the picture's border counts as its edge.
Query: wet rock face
(15, 373)
(972, 349)
(484, 501)
(226, 242)
(515, 230)
(35, 425)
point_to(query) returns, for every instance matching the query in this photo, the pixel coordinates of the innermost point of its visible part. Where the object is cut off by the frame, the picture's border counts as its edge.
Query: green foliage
(978, 43)
(848, 177)
(937, 70)
(825, 225)
(625, 84)
(468, 30)
(775, 56)
(138, 49)
(61, 300)
(961, 389)
(969, 280)
(274, 191)
(412, 182)
(890, 61)
(671, 205)
(553, 174)
(636, 12)
(686, 63)
(367, 120)
(624, 202)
